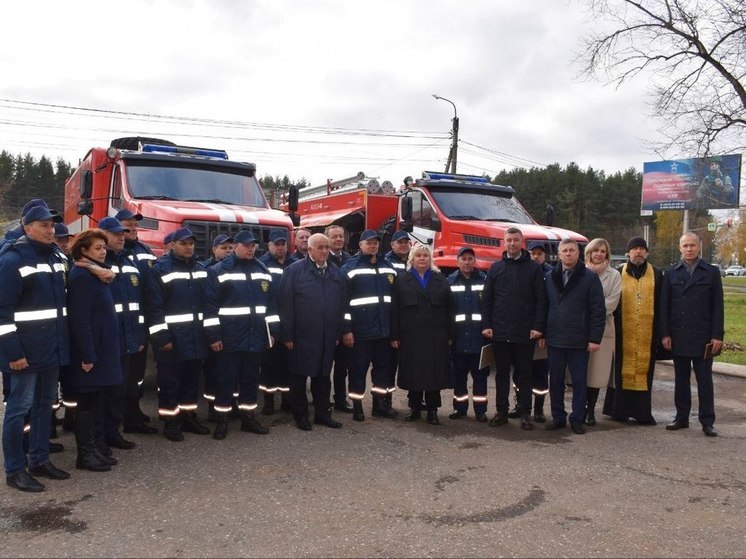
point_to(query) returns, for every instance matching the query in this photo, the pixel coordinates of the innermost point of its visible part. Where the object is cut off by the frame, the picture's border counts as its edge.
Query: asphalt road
(390, 488)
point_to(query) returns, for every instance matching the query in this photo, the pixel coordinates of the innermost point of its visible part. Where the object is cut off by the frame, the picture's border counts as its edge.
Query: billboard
(686, 184)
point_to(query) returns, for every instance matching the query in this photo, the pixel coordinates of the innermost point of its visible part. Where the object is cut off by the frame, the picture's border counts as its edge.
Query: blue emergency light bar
(433, 176)
(154, 148)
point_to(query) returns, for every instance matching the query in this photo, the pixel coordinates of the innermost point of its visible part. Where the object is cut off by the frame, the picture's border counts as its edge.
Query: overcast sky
(284, 72)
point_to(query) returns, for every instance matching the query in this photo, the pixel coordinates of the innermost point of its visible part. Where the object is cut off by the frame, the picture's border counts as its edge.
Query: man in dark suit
(692, 317)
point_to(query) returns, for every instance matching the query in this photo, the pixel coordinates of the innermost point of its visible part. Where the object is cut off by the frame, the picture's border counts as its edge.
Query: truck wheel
(134, 142)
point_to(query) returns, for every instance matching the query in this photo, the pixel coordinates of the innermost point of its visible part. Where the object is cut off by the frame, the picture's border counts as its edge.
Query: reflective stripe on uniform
(28, 270)
(140, 319)
(168, 413)
(261, 275)
(222, 409)
(188, 407)
(211, 322)
(130, 270)
(479, 399)
(477, 287)
(458, 288)
(146, 256)
(59, 267)
(275, 270)
(198, 275)
(7, 329)
(46, 314)
(118, 307)
(359, 271)
(247, 407)
(232, 277)
(348, 316)
(464, 398)
(369, 300)
(272, 318)
(174, 318)
(134, 306)
(234, 311)
(459, 318)
(157, 328)
(175, 275)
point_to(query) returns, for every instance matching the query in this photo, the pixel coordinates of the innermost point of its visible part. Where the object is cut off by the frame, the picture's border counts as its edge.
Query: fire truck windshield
(158, 181)
(479, 205)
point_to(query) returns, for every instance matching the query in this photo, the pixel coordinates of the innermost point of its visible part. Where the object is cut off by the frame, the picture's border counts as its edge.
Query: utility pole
(453, 154)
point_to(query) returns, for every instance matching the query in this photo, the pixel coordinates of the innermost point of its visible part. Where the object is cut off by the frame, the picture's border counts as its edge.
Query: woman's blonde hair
(417, 248)
(593, 245)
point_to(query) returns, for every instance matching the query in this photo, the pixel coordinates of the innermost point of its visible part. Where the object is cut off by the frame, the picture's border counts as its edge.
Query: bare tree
(693, 52)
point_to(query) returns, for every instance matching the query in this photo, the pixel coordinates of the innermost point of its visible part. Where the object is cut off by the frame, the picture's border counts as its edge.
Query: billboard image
(686, 184)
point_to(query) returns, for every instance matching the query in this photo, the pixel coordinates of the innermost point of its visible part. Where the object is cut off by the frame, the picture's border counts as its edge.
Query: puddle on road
(42, 518)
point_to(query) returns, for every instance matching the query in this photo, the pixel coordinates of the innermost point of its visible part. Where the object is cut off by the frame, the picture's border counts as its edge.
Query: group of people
(84, 312)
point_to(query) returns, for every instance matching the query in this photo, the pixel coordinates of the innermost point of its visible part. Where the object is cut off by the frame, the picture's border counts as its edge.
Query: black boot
(250, 424)
(590, 408)
(539, 416)
(189, 424)
(269, 403)
(379, 407)
(515, 412)
(388, 401)
(221, 429)
(212, 415)
(85, 438)
(432, 417)
(413, 415)
(172, 430)
(357, 410)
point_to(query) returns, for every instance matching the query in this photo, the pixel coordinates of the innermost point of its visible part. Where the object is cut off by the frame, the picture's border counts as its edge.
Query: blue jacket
(692, 310)
(514, 299)
(94, 331)
(577, 311)
(397, 263)
(141, 254)
(239, 305)
(311, 316)
(368, 312)
(33, 322)
(466, 311)
(128, 301)
(175, 308)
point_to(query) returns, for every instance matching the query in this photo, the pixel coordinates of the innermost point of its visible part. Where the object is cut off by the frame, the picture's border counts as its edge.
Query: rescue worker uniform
(274, 374)
(368, 317)
(342, 353)
(33, 325)
(397, 263)
(175, 317)
(240, 309)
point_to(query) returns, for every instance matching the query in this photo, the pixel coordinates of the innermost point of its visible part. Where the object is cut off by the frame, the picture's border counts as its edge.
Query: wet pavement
(390, 488)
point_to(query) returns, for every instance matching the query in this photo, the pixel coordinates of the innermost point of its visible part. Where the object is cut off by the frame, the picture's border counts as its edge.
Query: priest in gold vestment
(637, 341)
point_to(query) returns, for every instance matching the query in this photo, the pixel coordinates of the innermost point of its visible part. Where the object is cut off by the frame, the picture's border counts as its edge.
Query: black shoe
(55, 448)
(120, 442)
(709, 431)
(108, 460)
(456, 414)
(413, 415)
(221, 429)
(500, 418)
(190, 424)
(650, 421)
(327, 420)
(303, 423)
(50, 471)
(23, 481)
(526, 424)
(172, 430)
(677, 424)
(343, 406)
(482, 417)
(432, 417)
(590, 418)
(514, 413)
(577, 428)
(554, 425)
(380, 409)
(251, 425)
(140, 428)
(539, 416)
(357, 410)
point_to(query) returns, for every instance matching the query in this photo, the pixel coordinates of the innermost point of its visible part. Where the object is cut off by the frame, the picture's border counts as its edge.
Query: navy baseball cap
(536, 244)
(40, 213)
(182, 234)
(35, 203)
(399, 235)
(370, 234)
(245, 237)
(220, 239)
(126, 214)
(61, 230)
(278, 235)
(464, 250)
(112, 225)
(168, 239)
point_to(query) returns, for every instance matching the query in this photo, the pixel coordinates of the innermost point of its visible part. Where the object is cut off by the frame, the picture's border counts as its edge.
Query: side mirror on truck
(293, 195)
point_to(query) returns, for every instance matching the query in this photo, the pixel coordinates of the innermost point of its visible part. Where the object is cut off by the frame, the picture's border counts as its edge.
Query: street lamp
(454, 137)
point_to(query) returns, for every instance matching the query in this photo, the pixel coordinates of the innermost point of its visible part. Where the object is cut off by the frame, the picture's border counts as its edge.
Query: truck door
(115, 197)
(424, 219)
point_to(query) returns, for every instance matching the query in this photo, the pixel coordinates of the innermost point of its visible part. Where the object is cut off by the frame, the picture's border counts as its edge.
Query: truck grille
(484, 241)
(206, 231)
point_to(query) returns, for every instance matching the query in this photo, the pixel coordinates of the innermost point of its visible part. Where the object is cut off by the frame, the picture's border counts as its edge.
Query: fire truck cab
(171, 187)
(445, 211)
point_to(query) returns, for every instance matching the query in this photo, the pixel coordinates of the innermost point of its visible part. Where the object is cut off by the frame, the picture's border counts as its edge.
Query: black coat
(311, 316)
(421, 320)
(514, 301)
(94, 329)
(577, 311)
(692, 310)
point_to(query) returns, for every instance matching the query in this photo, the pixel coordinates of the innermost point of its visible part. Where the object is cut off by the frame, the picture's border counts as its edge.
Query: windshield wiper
(469, 217)
(155, 197)
(210, 201)
(501, 219)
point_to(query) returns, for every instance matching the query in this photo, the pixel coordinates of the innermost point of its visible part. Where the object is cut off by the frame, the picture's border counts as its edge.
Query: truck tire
(134, 142)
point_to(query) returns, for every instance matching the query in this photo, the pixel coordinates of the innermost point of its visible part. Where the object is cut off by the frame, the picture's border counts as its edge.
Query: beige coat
(601, 363)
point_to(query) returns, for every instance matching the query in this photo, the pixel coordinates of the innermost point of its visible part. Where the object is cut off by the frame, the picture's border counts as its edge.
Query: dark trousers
(274, 375)
(342, 358)
(208, 370)
(111, 400)
(682, 367)
(518, 356)
(237, 367)
(540, 376)
(432, 399)
(321, 388)
(576, 360)
(178, 386)
(465, 363)
(377, 352)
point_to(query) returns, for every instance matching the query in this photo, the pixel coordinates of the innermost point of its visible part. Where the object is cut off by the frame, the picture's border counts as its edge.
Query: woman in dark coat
(422, 331)
(94, 352)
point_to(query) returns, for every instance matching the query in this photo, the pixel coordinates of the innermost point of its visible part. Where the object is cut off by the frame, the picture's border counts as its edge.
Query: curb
(718, 368)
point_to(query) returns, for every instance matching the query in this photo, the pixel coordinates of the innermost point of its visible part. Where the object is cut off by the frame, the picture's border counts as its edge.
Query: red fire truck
(171, 186)
(447, 211)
